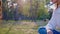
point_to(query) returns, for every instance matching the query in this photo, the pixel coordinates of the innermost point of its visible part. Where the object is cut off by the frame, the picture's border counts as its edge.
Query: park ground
(20, 27)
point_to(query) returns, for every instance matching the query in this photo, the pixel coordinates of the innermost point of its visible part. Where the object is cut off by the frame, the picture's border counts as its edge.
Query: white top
(55, 20)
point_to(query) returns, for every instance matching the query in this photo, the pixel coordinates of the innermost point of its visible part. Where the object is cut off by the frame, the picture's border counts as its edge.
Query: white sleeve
(52, 23)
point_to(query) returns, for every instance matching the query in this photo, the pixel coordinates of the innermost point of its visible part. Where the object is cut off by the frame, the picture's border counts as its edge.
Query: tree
(42, 12)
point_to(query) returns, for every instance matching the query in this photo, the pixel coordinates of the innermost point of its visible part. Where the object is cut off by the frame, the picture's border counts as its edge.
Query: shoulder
(57, 10)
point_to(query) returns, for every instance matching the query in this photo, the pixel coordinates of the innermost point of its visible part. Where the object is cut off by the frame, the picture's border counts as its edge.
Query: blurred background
(24, 16)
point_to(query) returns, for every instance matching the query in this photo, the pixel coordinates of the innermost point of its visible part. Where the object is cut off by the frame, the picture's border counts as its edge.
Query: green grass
(20, 27)
(23, 27)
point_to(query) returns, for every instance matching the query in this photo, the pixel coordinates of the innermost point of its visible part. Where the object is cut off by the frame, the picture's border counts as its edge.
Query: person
(54, 22)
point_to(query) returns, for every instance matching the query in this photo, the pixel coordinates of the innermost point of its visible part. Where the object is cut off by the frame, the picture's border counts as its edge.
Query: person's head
(56, 2)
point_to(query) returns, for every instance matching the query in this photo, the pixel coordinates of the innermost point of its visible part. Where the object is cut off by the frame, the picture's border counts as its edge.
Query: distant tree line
(31, 10)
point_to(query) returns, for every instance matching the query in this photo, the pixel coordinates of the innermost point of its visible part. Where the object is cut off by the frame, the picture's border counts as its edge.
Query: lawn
(18, 27)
